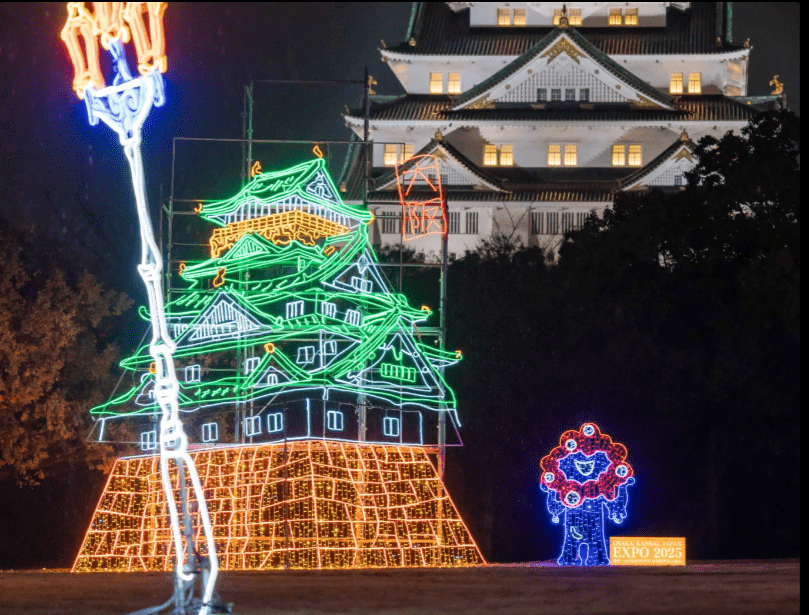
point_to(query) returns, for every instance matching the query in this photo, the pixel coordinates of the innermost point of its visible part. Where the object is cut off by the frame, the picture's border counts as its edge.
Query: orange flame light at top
(422, 197)
(84, 29)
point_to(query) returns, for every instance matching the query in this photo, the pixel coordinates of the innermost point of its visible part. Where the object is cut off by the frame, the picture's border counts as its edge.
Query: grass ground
(716, 588)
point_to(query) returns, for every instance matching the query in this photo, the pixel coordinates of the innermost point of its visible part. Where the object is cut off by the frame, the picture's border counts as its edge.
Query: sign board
(645, 551)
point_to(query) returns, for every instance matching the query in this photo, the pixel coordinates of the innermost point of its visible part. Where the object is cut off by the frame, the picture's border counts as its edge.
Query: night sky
(72, 180)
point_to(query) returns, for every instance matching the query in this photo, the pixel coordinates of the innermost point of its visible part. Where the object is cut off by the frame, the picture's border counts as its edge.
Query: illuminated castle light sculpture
(334, 390)
(585, 477)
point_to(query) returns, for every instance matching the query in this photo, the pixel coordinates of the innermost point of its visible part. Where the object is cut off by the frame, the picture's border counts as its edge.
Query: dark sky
(58, 173)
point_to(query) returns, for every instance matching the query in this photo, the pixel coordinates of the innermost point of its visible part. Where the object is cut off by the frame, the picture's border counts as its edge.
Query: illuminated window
(570, 94)
(584, 94)
(695, 83)
(676, 83)
(631, 17)
(306, 354)
(454, 83)
(327, 308)
(390, 427)
(335, 420)
(407, 151)
(364, 286)
(192, 373)
(390, 155)
(519, 17)
(294, 309)
(210, 432)
(618, 155)
(570, 156)
(490, 155)
(678, 180)
(148, 440)
(471, 223)
(353, 318)
(275, 422)
(503, 17)
(556, 94)
(574, 17)
(454, 222)
(436, 83)
(542, 94)
(554, 155)
(506, 156)
(252, 426)
(557, 13)
(615, 17)
(634, 156)
(251, 364)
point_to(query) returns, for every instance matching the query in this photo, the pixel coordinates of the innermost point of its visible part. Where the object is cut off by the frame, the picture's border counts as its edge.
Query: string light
(427, 215)
(312, 504)
(584, 477)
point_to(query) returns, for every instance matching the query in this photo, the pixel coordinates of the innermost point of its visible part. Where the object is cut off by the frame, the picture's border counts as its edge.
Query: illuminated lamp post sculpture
(584, 477)
(124, 106)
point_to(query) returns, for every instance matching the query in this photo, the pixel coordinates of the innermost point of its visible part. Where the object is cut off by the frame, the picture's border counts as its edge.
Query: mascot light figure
(586, 478)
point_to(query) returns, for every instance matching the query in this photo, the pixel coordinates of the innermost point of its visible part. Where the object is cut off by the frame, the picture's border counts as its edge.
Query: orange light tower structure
(338, 396)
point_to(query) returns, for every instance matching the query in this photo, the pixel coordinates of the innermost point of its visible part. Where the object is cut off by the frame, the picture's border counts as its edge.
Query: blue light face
(581, 468)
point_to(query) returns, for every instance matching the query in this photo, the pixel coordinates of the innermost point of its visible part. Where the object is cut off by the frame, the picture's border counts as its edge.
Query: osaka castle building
(539, 113)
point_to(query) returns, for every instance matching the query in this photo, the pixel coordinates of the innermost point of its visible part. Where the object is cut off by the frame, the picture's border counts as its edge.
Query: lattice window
(570, 94)
(519, 17)
(536, 222)
(210, 432)
(490, 155)
(542, 94)
(436, 83)
(454, 222)
(252, 426)
(471, 223)
(635, 157)
(631, 17)
(554, 155)
(618, 155)
(390, 427)
(364, 286)
(678, 179)
(353, 318)
(571, 158)
(391, 222)
(192, 373)
(148, 440)
(556, 94)
(306, 354)
(572, 221)
(506, 156)
(676, 83)
(407, 152)
(503, 17)
(390, 154)
(327, 308)
(584, 94)
(275, 422)
(615, 17)
(574, 17)
(454, 83)
(294, 309)
(335, 421)
(695, 83)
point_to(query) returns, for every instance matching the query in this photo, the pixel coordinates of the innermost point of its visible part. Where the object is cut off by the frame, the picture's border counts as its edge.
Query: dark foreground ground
(716, 588)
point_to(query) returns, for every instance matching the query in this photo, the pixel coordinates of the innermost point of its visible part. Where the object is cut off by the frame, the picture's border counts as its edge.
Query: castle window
(210, 432)
(335, 420)
(635, 158)
(294, 309)
(353, 318)
(503, 17)
(390, 427)
(251, 364)
(542, 95)
(306, 354)
(618, 155)
(631, 17)
(454, 222)
(615, 17)
(364, 286)
(390, 223)
(436, 83)
(329, 348)
(390, 154)
(272, 379)
(148, 440)
(275, 422)
(192, 373)
(453, 85)
(695, 83)
(471, 223)
(556, 94)
(506, 156)
(519, 17)
(678, 180)
(574, 17)
(584, 94)
(571, 159)
(252, 426)
(570, 94)
(676, 83)
(327, 308)
(490, 155)
(554, 155)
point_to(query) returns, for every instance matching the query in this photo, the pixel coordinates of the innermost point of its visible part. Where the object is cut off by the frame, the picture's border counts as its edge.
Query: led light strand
(586, 475)
(427, 215)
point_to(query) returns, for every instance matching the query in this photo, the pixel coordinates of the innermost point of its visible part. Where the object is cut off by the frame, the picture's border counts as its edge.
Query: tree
(55, 360)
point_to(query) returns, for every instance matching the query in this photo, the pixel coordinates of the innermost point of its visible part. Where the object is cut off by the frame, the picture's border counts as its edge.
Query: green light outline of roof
(257, 185)
(596, 55)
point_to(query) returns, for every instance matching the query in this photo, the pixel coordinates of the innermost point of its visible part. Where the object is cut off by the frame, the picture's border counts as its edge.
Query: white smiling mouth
(585, 468)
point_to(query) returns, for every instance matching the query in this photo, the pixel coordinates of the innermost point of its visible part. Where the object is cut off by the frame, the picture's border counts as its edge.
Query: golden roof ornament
(683, 135)
(746, 44)
(778, 85)
(371, 82)
(412, 42)
(563, 21)
(438, 136)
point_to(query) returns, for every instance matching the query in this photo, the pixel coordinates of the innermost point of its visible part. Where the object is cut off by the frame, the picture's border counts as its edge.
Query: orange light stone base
(309, 504)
